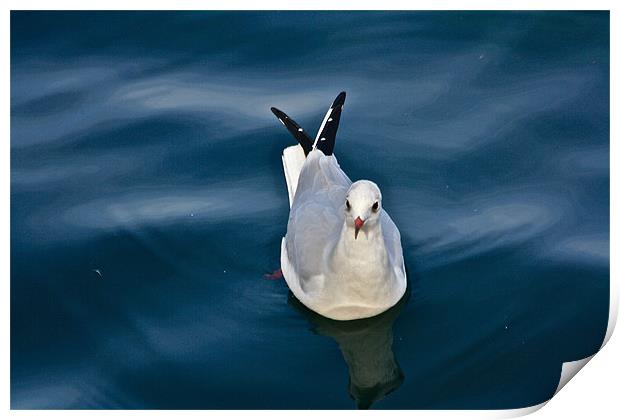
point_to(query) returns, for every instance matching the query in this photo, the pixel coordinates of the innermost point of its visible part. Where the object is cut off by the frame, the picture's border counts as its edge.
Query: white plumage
(328, 266)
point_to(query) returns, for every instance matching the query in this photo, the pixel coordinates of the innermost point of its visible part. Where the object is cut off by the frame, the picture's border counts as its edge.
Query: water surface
(148, 200)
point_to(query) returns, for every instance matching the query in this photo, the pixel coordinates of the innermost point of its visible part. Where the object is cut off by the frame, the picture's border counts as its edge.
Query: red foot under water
(276, 275)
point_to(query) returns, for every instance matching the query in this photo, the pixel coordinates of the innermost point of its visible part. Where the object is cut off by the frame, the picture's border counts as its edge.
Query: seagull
(342, 255)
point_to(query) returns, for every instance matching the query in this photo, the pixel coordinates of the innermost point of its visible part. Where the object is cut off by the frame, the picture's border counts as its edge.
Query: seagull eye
(375, 206)
(348, 205)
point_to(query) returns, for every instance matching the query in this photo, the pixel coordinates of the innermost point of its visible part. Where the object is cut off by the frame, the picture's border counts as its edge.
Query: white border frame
(596, 386)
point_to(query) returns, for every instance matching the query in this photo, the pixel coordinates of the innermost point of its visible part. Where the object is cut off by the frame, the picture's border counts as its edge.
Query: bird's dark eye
(375, 206)
(348, 205)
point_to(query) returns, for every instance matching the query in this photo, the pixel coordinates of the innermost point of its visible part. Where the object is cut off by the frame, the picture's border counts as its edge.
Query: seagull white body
(342, 255)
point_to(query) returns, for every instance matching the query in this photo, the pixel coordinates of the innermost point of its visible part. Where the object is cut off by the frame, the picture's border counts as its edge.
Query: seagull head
(362, 205)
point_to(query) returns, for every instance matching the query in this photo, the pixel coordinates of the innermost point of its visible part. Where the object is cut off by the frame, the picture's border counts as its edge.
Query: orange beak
(358, 225)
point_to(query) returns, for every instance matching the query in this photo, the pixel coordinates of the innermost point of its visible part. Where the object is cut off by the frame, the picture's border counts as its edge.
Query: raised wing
(326, 137)
(300, 135)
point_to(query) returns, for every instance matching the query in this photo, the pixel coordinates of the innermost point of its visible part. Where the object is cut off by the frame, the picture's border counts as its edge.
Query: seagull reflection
(366, 345)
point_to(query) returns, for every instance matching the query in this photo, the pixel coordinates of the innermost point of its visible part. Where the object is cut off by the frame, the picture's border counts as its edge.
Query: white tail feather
(293, 159)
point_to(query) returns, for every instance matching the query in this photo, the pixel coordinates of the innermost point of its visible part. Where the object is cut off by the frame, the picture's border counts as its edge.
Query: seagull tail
(293, 159)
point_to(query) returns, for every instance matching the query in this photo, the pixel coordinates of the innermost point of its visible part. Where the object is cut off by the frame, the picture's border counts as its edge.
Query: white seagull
(341, 256)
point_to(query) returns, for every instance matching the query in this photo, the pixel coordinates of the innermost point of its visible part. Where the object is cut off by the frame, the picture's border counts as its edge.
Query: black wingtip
(294, 129)
(339, 101)
(326, 139)
(281, 115)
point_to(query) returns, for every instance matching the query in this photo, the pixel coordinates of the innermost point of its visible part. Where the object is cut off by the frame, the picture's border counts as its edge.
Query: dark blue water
(148, 200)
